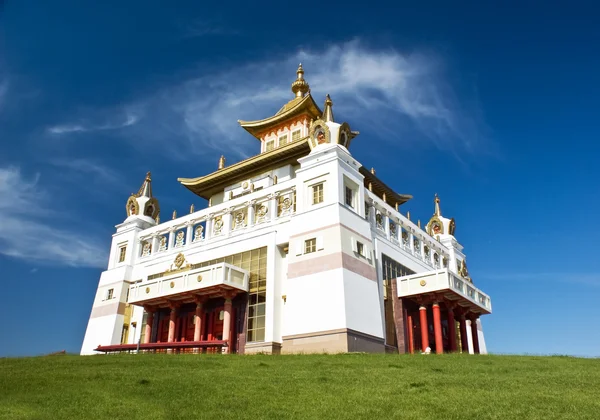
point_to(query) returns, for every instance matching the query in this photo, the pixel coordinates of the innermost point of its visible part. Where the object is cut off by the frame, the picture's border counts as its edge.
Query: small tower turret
(143, 205)
(442, 229)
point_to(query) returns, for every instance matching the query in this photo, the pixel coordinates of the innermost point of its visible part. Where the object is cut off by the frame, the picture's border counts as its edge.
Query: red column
(227, 322)
(198, 322)
(424, 328)
(452, 329)
(149, 322)
(464, 340)
(411, 338)
(211, 320)
(437, 328)
(474, 334)
(172, 319)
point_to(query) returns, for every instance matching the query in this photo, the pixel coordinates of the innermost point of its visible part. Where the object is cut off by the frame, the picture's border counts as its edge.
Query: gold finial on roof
(191, 208)
(373, 171)
(437, 205)
(419, 223)
(328, 112)
(221, 162)
(396, 205)
(174, 214)
(384, 198)
(146, 188)
(158, 219)
(408, 215)
(300, 87)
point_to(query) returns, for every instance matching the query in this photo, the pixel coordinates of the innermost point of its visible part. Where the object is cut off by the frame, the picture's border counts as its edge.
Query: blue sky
(494, 107)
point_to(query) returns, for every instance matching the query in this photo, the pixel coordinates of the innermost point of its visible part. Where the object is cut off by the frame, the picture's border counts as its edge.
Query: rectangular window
(270, 145)
(109, 294)
(317, 193)
(296, 135)
(122, 251)
(349, 197)
(360, 248)
(283, 140)
(310, 245)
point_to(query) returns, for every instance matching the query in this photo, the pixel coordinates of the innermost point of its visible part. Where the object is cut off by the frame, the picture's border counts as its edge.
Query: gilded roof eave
(306, 105)
(379, 188)
(211, 184)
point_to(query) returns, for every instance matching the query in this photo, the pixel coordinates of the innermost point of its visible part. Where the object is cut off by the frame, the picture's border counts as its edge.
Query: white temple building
(301, 249)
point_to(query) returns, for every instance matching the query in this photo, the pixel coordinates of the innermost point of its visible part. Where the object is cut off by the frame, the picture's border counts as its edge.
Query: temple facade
(301, 249)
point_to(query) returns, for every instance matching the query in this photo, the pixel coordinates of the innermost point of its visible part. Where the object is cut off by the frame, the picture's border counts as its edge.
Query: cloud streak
(389, 96)
(383, 93)
(118, 122)
(29, 227)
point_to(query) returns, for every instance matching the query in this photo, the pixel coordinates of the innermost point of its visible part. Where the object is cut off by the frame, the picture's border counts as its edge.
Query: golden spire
(408, 215)
(157, 219)
(146, 188)
(300, 87)
(328, 113)
(419, 223)
(191, 208)
(436, 200)
(221, 162)
(373, 171)
(174, 214)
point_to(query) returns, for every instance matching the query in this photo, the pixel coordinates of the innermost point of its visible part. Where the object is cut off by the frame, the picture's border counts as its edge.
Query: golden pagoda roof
(303, 103)
(297, 106)
(211, 184)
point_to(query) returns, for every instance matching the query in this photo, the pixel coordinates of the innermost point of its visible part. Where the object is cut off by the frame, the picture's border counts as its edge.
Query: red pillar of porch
(437, 328)
(149, 322)
(424, 328)
(464, 340)
(411, 338)
(452, 328)
(198, 321)
(172, 320)
(474, 334)
(227, 321)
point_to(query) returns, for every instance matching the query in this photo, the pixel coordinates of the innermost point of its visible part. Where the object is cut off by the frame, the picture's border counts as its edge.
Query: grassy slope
(310, 386)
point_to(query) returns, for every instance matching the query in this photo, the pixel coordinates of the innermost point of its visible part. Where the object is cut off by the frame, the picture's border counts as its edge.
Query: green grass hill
(345, 386)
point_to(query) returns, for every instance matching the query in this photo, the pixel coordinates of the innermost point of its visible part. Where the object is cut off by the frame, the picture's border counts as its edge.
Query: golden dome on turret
(300, 86)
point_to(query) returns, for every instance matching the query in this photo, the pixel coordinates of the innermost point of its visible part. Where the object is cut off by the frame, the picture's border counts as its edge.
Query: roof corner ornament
(436, 200)
(221, 162)
(328, 113)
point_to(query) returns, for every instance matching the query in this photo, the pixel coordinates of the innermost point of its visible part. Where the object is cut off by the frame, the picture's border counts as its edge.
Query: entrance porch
(191, 311)
(438, 311)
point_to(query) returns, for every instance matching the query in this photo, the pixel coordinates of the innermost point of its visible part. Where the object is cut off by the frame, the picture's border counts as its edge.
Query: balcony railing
(189, 279)
(441, 281)
(269, 205)
(389, 223)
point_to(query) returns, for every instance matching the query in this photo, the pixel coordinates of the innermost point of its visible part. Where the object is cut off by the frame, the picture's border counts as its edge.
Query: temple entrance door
(217, 329)
(185, 327)
(163, 330)
(217, 326)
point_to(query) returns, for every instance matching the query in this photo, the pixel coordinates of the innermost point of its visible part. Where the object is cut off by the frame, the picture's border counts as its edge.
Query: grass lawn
(352, 386)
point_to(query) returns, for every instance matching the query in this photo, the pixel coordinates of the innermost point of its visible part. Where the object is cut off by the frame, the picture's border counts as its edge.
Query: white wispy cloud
(390, 96)
(384, 92)
(89, 166)
(29, 226)
(121, 119)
